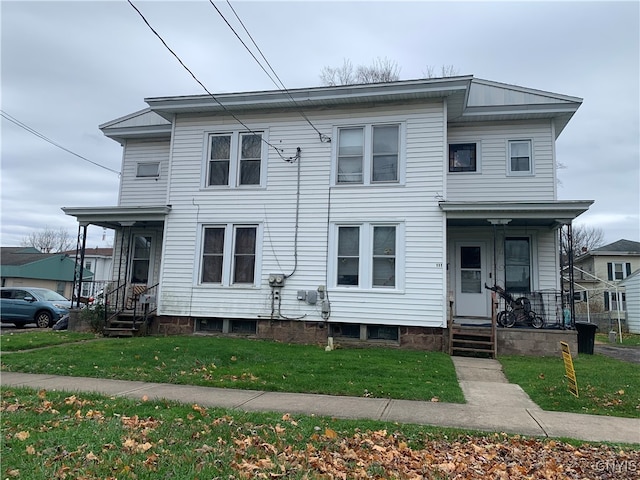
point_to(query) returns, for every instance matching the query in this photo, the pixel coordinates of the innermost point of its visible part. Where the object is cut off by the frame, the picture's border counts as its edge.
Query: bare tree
(584, 237)
(381, 70)
(445, 71)
(49, 240)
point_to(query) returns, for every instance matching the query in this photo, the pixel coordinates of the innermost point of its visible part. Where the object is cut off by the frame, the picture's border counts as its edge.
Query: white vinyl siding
(144, 190)
(632, 291)
(418, 300)
(493, 181)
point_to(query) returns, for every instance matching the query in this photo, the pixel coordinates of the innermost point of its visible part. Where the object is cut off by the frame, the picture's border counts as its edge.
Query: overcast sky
(68, 67)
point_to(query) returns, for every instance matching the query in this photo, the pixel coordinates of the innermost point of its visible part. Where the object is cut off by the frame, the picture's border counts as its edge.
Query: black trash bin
(586, 337)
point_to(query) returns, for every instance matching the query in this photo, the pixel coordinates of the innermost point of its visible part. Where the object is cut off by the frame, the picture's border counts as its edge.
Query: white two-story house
(372, 211)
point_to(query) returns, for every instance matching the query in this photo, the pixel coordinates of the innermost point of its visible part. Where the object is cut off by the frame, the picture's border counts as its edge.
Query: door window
(470, 270)
(141, 259)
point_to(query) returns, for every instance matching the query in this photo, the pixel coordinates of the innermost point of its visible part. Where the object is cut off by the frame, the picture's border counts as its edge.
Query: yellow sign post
(568, 366)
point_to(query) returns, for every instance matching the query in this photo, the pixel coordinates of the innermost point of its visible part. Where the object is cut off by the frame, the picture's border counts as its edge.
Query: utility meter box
(146, 299)
(276, 279)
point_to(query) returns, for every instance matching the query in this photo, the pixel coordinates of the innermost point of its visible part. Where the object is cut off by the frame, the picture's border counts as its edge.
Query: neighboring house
(631, 284)
(598, 272)
(99, 261)
(27, 266)
(368, 211)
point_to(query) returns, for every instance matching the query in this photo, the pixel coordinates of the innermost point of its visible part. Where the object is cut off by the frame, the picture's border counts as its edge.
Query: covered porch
(131, 296)
(503, 269)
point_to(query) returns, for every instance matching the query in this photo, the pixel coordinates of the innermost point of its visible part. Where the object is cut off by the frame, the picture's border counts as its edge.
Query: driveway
(626, 354)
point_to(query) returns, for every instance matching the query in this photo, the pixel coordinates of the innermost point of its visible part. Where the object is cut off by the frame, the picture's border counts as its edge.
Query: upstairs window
(463, 157)
(235, 159)
(618, 270)
(148, 169)
(350, 155)
(368, 154)
(520, 160)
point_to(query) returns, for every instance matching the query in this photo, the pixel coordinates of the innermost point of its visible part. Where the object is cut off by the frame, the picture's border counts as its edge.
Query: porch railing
(548, 305)
(91, 291)
(139, 302)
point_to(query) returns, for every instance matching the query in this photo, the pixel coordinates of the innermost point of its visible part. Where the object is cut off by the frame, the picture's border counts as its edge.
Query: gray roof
(468, 99)
(621, 247)
(21, 255)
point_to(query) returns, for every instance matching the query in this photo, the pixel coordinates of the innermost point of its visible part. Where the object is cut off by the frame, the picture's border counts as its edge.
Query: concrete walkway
(493, 404)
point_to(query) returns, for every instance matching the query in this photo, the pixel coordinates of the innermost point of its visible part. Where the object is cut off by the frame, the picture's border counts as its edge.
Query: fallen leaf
(91, 457)
(22, 435)
(329, 433)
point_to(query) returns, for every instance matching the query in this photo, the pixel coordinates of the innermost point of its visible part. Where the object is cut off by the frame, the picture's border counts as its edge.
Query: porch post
(572, 307)
(82, 234)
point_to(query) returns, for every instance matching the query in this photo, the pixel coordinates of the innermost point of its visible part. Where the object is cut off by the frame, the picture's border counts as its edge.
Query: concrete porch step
(120, 332)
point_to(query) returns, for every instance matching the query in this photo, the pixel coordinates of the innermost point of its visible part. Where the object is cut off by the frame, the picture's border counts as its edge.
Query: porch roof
(549, 214)
(118, 217)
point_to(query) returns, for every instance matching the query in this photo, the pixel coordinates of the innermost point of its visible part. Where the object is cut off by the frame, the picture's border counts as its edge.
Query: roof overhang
(549, 214)
(317, 97)
(119, 217)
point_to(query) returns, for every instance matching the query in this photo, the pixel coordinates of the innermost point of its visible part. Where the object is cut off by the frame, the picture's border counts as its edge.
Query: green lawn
(56, 435)
(605, 386)
(251, 364)
(27, 340)
(628, 339)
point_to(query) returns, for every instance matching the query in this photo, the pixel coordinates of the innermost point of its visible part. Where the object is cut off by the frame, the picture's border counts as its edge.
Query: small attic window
(148, 169)
(463, 157)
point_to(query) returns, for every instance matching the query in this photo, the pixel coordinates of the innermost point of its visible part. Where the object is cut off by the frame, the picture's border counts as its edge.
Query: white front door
(471, 267)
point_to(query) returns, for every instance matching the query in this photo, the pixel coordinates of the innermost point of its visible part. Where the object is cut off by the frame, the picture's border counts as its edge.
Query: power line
(278, 150)
(46, 139)
(323, 137)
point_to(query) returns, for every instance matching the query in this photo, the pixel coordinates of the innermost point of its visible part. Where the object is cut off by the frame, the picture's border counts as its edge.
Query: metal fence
(547, 305)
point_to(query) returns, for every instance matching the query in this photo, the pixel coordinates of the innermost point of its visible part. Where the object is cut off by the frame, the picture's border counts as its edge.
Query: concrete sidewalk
(493, 404)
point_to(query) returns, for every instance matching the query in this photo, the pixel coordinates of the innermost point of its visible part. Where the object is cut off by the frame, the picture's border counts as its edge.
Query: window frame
(366, 256)
(235, 160)
(611, 301)
(530, 265)
(146, 164)
(510, 171)
(462, 170)
(611, 270)
(228, 268)
(142, 260)
(368, 154)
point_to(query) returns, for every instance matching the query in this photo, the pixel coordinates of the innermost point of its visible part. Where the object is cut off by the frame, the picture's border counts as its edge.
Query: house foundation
(511, 341)
(535, 343)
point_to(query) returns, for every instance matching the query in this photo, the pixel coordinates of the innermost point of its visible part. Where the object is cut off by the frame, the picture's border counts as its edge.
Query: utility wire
(278, 150)
(280, 85)
(41, 136)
